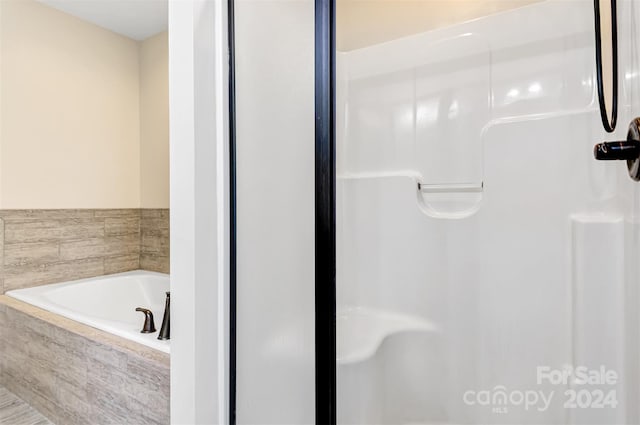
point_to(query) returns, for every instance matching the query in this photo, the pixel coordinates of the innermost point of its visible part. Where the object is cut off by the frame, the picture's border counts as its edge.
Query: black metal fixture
(232, 214)
(165, 328)
(325, 207)
(149, 326)
(609, 123)
(626, 150)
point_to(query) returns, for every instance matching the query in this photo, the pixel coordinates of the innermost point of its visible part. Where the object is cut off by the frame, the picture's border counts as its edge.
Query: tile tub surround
(154, 240)
(39, 247)
(75, 374)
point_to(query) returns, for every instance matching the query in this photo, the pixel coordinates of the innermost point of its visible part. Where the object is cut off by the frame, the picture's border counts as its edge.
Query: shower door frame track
(325, 212)
(232, 213)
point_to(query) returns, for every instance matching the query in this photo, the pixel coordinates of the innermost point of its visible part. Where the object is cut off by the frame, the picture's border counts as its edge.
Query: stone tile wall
(154, 240)
(75, 374)
(38, 247)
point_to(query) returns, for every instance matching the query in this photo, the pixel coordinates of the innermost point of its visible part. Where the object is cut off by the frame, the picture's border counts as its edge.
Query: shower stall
(422, 233)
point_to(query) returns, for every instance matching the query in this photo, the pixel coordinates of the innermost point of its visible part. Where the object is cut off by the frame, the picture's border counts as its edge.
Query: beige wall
(362, 23)
(70, 112)
(154, 122)
(71, 128)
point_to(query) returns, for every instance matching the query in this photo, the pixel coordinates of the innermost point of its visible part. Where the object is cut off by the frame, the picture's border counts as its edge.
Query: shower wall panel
(464, 154)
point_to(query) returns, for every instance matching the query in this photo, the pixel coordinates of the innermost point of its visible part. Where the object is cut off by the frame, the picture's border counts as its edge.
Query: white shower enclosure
(487, 264)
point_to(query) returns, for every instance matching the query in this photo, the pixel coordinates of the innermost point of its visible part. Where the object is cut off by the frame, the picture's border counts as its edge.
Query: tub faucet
(149, 326)
(164, 329)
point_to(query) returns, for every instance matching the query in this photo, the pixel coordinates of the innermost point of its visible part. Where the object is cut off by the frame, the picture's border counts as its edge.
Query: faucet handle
(165, 328)
(149, 326)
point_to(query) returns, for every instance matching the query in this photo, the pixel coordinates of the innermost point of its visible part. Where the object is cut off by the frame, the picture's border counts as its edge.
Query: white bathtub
(107, 303)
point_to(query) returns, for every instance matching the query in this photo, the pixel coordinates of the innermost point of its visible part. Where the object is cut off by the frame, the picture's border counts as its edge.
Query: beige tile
(143, 372)
(156, 216)
(53, 353)
(100, 247)
(158, 415)
(154, 263)
(122, 245)
(27, 323)
(74, 399)
(149, 386)
(122, 263)
(21, 231)
(158, 232)
(68, 415)
(46, 214)
(88, 333)
(150, 213)
(100, 373)
(123, 212)
(31, 253)
(121, 226)
(33, 275)
(154, 223)
(154, 240)
(35, 378)
(47, 246)
(106, 354)
(13, 410)
(1, 256)
(82, 248)
(73, 343)
(110, 407)
(81, 229)
(154, 245)
(37, 402)
(123, 385)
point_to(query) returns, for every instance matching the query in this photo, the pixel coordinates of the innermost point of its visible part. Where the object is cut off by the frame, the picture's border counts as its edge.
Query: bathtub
(107, 303)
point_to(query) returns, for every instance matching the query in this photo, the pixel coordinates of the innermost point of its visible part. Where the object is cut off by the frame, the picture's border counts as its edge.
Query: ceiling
(136, 19)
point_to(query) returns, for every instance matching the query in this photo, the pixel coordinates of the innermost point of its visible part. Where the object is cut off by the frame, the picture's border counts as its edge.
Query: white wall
(199, 206)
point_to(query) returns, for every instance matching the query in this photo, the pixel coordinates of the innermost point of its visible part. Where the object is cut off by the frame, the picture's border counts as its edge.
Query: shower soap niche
(449, 201)
(361, 331)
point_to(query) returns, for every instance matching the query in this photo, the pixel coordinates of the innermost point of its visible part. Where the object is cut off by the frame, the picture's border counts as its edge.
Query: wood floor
(14, 411)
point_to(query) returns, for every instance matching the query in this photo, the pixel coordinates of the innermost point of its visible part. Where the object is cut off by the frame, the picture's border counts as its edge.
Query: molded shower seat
(361, 331)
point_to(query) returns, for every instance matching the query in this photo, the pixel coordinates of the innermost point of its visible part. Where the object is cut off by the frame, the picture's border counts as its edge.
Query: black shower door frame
(325, 214)
(325, 207)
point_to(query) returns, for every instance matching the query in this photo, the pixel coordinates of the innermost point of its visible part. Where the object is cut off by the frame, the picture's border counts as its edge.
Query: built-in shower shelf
(361, 331)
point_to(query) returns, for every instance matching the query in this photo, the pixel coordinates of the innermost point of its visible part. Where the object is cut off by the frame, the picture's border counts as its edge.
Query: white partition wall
(199, 212)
